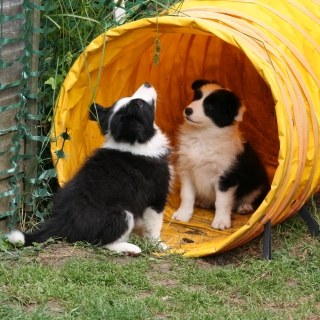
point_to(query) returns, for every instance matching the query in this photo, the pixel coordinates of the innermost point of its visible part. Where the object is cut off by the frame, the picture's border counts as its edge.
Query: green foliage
(71, 26)
(55, 82)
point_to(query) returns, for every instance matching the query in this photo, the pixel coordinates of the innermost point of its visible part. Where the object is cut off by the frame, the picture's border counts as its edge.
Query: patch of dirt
(57, 254)
(144, 295)
(160, 280)
(53, 307)
(291, 283)
(158, 271)
(168, 283)
(236, 300)
(4, 288)
(235, 256)
(123, 259)
(314, 317)
(163, 267)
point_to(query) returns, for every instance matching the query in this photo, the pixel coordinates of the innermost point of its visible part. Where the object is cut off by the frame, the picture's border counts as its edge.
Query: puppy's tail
(19, 238)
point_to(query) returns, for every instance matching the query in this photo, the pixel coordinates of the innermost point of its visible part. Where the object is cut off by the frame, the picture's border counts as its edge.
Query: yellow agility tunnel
(268, 52)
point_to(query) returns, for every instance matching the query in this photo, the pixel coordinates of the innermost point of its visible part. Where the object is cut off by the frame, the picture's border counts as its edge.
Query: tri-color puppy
(217, 167)
(123, 183)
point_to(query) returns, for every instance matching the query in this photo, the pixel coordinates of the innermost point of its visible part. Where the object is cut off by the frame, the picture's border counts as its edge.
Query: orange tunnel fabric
(268, 52)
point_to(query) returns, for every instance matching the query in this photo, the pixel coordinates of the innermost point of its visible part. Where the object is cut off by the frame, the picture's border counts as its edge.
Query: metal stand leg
(307, 218)
(310, 221)
(267, 241)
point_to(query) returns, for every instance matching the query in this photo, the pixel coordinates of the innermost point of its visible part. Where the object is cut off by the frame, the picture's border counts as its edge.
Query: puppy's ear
(199, 83)
(101, 115)
(241, 111)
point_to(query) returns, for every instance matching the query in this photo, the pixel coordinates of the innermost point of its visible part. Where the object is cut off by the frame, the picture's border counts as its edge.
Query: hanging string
(156, 56)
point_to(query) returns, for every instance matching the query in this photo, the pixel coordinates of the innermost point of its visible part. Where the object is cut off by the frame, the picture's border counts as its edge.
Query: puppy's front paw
(131, 249)
(162, 246)
(182, 215)
(220, 224)
(124, 247)
(245, 209)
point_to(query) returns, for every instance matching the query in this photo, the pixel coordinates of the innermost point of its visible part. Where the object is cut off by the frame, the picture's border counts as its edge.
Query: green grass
(61, 281)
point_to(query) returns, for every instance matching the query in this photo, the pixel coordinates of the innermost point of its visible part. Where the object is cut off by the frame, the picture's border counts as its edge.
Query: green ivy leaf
(5, 245)
(54, 82)
(60, 154)
(65, 136)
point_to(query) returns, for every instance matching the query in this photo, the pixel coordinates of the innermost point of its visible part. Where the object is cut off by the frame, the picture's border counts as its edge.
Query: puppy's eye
(209, 106)
(139, 103)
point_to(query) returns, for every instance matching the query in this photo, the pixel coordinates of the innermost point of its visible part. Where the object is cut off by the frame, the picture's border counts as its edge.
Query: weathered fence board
(11, 7)
(10, 74)
(5, 202)
(5, 163)
(12, 51)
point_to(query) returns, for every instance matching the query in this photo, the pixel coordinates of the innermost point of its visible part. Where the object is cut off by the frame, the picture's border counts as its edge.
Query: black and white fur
(123, 184)
(217, 167)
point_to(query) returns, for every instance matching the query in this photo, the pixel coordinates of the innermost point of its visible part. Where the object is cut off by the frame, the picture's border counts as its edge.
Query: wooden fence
(12, 100)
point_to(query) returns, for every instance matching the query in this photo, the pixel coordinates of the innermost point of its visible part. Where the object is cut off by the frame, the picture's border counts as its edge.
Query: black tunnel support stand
(267, 236)
(310, 221)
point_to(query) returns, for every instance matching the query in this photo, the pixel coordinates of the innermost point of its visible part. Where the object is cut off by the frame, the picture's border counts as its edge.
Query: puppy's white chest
(205, 156)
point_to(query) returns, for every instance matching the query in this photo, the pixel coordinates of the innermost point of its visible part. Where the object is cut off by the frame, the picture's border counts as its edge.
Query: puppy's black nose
(147, 85)
(188, 111)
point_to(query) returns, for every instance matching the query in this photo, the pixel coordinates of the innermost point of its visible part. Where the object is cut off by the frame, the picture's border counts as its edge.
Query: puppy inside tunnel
(234, 45)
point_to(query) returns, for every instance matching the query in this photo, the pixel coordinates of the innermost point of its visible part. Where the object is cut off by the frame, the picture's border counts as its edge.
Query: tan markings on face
(241, 111)
(208, 89)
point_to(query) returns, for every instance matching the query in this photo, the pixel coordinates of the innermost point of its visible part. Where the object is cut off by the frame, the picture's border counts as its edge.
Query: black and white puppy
(123, 183)
(217, 167)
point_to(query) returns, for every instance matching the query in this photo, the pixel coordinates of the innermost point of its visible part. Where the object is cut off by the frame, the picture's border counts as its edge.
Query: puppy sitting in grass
(125, 182)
